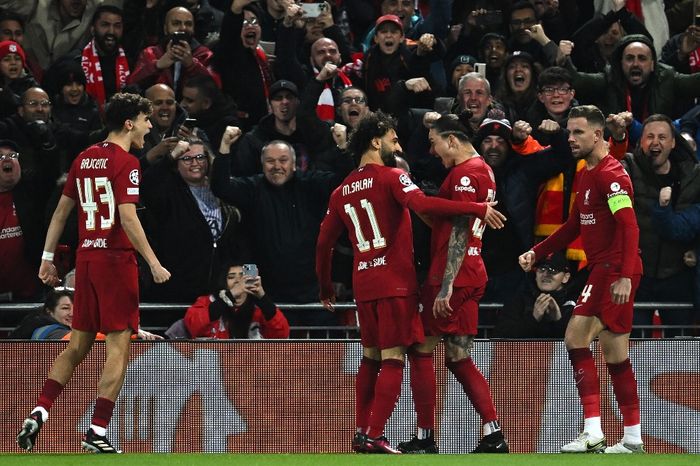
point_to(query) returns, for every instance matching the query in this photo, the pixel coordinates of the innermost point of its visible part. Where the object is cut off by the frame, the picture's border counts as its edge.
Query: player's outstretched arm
(456, 248)
(134, 230)
(47, 270)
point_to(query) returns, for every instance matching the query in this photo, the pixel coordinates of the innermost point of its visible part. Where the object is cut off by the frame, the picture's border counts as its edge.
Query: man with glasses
(20, 222)
(37, 137)
(177, 58)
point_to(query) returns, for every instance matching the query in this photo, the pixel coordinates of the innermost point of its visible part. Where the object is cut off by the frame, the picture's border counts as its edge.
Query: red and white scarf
(265, 73)
(325, 109)
(93, 73)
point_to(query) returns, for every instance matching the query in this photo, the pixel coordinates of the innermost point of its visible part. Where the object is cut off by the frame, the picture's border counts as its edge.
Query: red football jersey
(600, 233)
(100, 178)
(371, 204)
(472, 181)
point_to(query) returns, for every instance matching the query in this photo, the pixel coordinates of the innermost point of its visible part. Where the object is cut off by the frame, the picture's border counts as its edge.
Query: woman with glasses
(193, 231)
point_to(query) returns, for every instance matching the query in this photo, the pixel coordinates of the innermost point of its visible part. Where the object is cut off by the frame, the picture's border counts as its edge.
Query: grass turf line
(201, 459)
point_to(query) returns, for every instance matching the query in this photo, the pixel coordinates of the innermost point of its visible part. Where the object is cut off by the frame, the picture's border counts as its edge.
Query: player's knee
(458, 347)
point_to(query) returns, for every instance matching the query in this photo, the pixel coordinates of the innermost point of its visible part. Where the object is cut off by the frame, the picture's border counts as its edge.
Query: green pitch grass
(347, 460)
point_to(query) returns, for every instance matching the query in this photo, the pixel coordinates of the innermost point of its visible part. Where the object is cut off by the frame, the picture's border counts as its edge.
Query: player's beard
(388, 157)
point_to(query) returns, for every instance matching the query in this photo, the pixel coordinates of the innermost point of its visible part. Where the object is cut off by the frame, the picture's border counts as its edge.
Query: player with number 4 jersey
(372, 204)
(104, 183)
(603, 215)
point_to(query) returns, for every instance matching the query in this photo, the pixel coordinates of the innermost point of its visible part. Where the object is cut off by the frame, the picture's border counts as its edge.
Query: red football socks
(386, 394)
(475, 386)
(103, 412)
(586, 378)
(423, 388)
(625, 388)
(49, 393)
(364, 391)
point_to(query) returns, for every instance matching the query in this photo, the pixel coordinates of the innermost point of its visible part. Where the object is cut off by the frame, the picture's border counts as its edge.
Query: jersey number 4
(90, 193)
(362, 244)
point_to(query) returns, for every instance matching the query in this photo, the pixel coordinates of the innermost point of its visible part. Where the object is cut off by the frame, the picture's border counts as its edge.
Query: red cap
(389, 19)
(9, 46)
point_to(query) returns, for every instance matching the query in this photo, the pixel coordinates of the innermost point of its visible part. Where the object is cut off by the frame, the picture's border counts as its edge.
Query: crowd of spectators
(254, 102)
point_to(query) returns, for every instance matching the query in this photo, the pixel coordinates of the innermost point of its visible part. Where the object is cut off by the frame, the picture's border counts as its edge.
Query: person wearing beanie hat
(14, 79)
(460, 66)
(73, 108)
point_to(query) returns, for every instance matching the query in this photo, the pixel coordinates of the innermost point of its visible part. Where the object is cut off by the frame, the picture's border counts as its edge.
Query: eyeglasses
(353, 100)
(527, 22)
(189, 159)
(558, 90)
(38, 103)
(165, 101)
(10, 156)
(250, 22)
(548, 270)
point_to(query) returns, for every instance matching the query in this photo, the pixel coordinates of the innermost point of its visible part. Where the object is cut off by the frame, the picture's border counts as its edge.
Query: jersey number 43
(93, 192)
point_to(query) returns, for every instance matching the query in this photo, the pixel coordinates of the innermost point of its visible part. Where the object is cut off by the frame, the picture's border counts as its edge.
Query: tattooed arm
(456, 248)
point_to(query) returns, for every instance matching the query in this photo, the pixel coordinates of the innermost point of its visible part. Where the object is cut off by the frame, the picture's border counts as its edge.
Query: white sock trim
(44, 413)
(633, 434)
(101, 431)
(591, 426)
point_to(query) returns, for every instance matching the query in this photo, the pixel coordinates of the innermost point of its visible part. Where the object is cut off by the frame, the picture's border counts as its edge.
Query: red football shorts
(106, 293)
(389, 322)
(465, 311)
(595, 300)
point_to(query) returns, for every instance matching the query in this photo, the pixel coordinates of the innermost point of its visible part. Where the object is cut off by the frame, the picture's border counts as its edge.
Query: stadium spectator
(106, 265)
(240, 309)
(540, 308)
(595, 41)
(282, 124)
(203, 100)
(22, 220)
(455, 283)
(637, 83)
(167, 118)
(555, 97)
(681, 51)
(390, 60)
(103, 59)
(56, 27)
(517, 91)
(13, 76)
(207, 19)
(177, 58)
(181, 209)
(12, 28)
(282, 210)
(32, 129)
(298, 44)
(474, 96)
(518, 180)
(651, 15)
(52, 321)
(663, 159)
(460, 66)
(239, 53)
(605, 219)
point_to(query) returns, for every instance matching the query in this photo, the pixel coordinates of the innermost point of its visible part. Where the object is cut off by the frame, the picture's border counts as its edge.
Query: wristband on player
(47, 256)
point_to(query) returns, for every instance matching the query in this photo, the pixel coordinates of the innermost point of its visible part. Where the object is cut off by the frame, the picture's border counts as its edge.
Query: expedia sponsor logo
(465, 185)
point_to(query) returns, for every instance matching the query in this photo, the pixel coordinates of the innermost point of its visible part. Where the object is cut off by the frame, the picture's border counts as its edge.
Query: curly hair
(375, 125)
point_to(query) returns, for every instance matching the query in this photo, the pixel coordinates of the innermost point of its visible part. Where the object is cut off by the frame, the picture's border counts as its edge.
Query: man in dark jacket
(282, 209)
(637, 83)
(663, 159)
(518, 179)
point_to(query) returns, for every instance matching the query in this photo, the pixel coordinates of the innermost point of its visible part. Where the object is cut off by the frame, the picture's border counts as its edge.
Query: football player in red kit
(604, 217)
(372, 204)
(104, 182)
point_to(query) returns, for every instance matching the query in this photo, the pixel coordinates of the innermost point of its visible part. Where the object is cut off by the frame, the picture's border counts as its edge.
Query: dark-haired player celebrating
(372, 204)
(604, 217)
(452, 290)
(104, 181)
